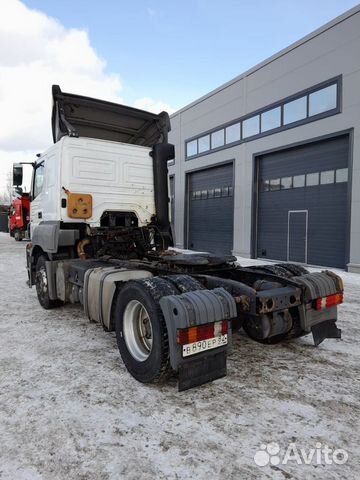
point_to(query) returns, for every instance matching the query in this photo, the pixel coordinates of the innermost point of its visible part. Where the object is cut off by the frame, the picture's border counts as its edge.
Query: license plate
(203, 345)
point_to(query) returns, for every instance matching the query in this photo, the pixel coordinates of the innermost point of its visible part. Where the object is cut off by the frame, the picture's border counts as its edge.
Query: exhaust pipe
(161, 153)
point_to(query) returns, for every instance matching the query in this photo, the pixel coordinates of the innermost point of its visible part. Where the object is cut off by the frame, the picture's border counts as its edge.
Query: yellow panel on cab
(79, 205)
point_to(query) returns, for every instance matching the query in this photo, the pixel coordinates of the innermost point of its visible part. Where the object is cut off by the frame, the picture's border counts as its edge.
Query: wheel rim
(137, 330)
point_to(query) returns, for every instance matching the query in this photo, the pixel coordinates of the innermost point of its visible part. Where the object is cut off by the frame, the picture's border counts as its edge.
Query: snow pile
(69, 409)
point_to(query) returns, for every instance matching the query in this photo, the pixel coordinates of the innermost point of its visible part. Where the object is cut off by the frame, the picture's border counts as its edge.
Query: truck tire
(41, 283)
(140, 328)
(18, 236)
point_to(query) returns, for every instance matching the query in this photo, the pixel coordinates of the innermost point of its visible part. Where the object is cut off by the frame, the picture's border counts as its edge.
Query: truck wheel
(18, 236)
(41, 283)
(141, 330)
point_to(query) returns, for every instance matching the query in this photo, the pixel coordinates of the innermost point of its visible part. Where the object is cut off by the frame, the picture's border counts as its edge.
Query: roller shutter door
(302, 203)
(210, 210)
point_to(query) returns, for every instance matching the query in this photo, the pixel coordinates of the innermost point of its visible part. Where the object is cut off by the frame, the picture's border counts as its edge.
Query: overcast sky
(157, 55)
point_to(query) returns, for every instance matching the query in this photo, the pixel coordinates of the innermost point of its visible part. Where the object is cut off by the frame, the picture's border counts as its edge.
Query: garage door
(210, 210)
(302, 204)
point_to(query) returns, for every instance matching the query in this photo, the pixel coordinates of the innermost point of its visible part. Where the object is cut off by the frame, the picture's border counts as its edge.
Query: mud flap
(327, 329)
(202, 370)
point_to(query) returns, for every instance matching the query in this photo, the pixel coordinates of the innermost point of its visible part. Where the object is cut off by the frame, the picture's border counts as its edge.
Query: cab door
(37, 203)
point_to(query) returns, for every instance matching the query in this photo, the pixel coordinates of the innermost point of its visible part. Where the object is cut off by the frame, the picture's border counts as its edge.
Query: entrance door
(297, 236)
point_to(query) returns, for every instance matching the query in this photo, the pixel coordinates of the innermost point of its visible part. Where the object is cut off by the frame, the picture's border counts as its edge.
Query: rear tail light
(201, 332)
(330, 301)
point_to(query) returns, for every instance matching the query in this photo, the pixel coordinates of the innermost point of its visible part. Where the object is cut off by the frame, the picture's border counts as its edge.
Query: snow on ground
(70, 410)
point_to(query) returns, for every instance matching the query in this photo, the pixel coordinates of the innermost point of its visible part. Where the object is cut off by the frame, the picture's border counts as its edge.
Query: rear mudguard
(196, 308)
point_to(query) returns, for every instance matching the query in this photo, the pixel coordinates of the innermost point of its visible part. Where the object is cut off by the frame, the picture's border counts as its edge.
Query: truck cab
(19, 216)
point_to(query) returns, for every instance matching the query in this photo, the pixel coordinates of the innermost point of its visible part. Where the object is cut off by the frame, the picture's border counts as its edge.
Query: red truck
(19, 216)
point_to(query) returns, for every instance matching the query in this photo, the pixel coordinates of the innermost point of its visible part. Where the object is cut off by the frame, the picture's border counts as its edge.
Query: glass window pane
(217, 192)
(312, 179)
(204, 143)
(342, 175)
(265, 185)
(233, 133)
(271, 119)
(251, 126)
(39, 180)
(225, 191)
(299, 181)
(211, 193)
(230, 191)
(295, 110)
(286, 182)
(203, 194)
(275, 184)
(197, 195)
(217, 139)
(327, 177)
(323, 100)
(191, 148)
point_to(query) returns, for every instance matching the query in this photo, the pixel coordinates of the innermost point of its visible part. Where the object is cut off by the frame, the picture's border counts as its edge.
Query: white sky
(36, 51)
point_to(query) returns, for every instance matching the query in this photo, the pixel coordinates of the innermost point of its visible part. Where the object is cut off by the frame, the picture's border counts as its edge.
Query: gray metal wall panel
(326, 204)
(211, 219)
(331, 51)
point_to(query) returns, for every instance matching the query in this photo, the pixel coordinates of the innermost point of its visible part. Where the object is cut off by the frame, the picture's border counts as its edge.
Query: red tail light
(201, 332)
(330, 301)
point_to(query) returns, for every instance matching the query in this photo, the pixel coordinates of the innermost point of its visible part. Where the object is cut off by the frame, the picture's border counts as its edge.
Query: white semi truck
(100, 237)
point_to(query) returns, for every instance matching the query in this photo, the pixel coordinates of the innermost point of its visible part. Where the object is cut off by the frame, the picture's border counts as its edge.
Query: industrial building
(268, 164)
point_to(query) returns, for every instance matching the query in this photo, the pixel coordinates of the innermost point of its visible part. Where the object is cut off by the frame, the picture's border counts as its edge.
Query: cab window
(39, 179)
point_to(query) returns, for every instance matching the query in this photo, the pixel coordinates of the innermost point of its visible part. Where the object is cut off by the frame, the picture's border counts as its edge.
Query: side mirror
(17, 174)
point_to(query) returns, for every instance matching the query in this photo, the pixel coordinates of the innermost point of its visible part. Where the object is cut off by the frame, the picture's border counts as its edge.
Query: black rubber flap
(323, 330)
(202, 370)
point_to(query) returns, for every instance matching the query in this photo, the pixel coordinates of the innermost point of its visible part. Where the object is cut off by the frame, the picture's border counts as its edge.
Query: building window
(265, 185)
(312, 179)
(251, 126)
(191, 148)
(271, 119)
(225, 191)
(299, 181)
(275, 184)
(327, 177)
(204, 143)
(342, 175)
(286, 182)
(288, 113)
(323, 100)
(295, 110)
(233, 133)
(217, 139)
